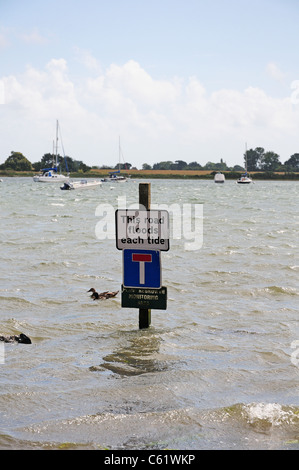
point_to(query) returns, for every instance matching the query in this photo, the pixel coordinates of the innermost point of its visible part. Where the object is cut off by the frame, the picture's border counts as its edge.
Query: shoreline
(165, 174)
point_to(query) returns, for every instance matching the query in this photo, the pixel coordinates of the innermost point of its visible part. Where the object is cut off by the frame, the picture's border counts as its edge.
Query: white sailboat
(51, 175)
(115, 176)
(245, 179)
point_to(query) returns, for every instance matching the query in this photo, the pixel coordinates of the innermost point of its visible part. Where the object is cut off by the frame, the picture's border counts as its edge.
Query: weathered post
(144, 203)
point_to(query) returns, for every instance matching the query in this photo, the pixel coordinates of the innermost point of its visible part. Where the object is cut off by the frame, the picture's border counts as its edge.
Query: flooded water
(219, 369)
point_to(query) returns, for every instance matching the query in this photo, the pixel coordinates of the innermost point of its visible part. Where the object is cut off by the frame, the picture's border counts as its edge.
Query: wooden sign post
(144, 203)
(142, 234)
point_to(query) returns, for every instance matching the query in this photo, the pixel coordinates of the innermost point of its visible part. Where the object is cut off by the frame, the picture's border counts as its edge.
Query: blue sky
(175, 79)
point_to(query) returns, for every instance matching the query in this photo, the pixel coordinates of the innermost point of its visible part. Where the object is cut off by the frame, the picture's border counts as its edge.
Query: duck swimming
(16, 339)
(103, 295)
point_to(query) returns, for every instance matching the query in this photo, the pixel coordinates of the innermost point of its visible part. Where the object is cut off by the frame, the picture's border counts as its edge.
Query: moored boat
(115, 176)
(245, 178)
(83, 184)
(51, 175)
(219, 177)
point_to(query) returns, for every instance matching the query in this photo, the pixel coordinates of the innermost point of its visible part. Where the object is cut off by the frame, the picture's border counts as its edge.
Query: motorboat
(115, 177)
(83, 184)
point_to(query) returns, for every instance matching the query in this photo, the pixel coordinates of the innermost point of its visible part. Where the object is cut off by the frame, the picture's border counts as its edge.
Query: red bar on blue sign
(140, 257)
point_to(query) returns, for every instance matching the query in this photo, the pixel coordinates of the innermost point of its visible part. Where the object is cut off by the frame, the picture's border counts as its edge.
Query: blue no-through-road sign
(141, 268)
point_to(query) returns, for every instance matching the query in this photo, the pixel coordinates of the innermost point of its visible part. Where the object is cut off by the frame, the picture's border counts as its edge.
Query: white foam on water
(271, 412)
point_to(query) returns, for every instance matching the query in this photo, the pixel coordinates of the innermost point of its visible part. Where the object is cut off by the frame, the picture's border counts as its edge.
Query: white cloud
(274, 72)
(137, 84)
(34, 37)
(85, 58)
(157, 119)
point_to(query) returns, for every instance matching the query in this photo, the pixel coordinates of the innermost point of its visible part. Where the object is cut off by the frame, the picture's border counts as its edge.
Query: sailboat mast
(246, 157)
(56, 141)
(53, 154)
(119, 153)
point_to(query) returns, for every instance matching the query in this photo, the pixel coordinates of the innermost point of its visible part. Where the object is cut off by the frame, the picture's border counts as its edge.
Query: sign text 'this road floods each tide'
(147, 230)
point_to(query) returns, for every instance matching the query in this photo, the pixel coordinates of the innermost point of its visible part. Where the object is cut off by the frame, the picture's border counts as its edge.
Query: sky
(191, 80)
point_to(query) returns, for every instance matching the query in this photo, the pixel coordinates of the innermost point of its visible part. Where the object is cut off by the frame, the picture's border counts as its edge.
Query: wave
(127, 426)
(8, 442)
(17, 300)
(293, 268)
(260, 415)
(280, 290)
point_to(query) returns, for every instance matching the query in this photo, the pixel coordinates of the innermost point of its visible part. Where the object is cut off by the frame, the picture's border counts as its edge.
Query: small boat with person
(245, 178)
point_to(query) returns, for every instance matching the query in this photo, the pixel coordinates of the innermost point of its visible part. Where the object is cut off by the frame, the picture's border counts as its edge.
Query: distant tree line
(64, 163)
(182, 165)
(18, 162)
(257, 160)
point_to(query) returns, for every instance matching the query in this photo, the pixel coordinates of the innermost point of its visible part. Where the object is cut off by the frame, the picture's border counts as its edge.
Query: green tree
(221, 166)
(18, 162)
(270, 161)
(64, 163)
(194, 166)
(254, 158)
(123, 166)
(292, 164)
(163, 165)
(179, 165)
(83, 167)
(45, 162)
(210, 166)
(146, 166)
(238, 168)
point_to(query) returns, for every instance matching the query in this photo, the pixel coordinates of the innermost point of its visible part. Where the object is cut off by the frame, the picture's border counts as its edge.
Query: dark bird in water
(102, 295)
(16, 339)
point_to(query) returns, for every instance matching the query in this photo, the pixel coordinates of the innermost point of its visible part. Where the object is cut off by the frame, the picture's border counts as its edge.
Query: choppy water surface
(218, 369)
